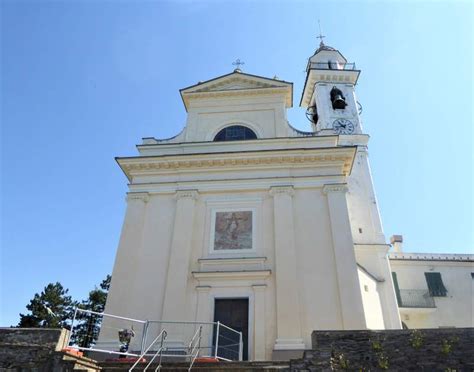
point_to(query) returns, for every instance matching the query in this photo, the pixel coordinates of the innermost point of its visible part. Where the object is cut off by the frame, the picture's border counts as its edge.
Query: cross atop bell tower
(329, 94)
(321, 36)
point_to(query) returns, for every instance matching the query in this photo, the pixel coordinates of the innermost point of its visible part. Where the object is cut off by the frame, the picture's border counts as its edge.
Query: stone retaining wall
(38, 350)
(445, 350)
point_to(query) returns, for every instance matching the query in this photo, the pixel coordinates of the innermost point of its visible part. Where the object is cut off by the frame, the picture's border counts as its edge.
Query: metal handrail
(416, 298)
(159, 351)
(78, 309)
(217, 339)
(192, 349)
(241, 347)
(201, 340)
(161, 336)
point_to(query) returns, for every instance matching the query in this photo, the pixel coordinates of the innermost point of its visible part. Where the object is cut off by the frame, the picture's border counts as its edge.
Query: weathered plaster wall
(454, 310)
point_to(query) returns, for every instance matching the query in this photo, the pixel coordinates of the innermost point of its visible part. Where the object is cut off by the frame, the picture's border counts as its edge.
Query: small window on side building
(435, 285)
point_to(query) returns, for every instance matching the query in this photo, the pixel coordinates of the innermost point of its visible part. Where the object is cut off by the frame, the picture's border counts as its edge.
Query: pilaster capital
(336, 187)
(139, 196)
(282, 190)
(259, 287)
(186, 194)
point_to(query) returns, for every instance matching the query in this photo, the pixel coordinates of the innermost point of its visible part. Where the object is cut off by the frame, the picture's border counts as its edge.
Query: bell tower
(329, 94)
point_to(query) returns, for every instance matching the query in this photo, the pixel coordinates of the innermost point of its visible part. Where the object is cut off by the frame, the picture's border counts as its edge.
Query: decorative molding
(236, 82)
(259, 287)
(232, 263)
(337, 187)
(142, 196)
(443, 257)
(203, 288)
(216, 162)
(232, 260)
(256, 184)
(232, 275)
(187, 194)
(338, 156)
(279, 190)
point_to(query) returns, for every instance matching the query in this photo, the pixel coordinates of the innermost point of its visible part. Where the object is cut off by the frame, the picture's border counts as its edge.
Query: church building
(244, 219)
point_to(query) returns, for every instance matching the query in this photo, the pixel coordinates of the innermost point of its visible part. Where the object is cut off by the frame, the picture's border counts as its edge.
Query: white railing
(217, 340)
(189, 340)
(107, 324)
(229, 343)
(161, 337)
(194, 347)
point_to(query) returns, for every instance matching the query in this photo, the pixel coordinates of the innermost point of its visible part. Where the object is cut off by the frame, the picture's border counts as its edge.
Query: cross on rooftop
(238, 63)
(321, 36)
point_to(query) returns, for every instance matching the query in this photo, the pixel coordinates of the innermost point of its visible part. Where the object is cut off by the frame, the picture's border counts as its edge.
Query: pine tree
(50, 309)
(87, 329)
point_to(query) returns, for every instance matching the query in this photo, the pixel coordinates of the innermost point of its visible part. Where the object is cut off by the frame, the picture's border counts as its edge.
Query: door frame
(236, 295)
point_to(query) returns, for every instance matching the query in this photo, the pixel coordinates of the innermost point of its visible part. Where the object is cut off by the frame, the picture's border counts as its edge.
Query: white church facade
(244, 219)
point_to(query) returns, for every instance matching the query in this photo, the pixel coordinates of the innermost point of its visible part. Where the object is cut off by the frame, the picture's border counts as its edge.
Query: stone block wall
(38, 350)
(446, 350)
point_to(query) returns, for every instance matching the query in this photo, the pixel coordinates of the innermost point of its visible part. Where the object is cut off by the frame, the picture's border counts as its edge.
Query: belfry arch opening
(235, 133)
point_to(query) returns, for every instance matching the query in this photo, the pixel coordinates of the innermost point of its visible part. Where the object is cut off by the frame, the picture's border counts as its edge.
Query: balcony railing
(416, 298)
(332, 66)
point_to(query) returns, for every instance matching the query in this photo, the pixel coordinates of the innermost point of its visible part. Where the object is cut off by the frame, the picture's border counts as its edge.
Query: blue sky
(84, 81)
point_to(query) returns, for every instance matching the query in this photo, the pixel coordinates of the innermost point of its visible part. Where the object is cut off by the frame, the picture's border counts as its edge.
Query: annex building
(244, 219)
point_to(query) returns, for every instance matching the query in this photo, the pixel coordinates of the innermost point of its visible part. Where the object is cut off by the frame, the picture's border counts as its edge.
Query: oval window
(235, 133)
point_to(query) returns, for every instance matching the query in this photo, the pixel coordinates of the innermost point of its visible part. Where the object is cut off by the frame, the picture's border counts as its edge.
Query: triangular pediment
(233, 84)
(237, 82)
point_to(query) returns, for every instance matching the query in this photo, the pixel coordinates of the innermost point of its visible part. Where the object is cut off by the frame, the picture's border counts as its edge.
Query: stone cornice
(282, 190)
(338, 187)
(154, 147)
(140, 196)
(341, 157)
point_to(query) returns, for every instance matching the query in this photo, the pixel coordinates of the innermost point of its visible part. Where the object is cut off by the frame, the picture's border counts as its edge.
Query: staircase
(271, 366)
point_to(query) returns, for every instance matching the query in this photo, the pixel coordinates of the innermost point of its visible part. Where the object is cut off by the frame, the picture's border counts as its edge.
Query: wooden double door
(234, 313)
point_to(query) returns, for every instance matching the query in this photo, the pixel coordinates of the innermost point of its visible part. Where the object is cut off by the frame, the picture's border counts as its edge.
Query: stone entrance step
(271, 366)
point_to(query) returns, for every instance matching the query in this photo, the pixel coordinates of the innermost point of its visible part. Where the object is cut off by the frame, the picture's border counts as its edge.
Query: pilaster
(259, 321)
(346, 266)
(126, 262)
(287, 299)
(131, 235)
(174, 305)
(203, 303)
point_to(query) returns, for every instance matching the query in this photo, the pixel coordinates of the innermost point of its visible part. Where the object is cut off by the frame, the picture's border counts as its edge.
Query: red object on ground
(206, 360)
(72, 351)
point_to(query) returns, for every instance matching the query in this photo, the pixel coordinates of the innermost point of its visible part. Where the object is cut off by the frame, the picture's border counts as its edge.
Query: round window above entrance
(235, 133)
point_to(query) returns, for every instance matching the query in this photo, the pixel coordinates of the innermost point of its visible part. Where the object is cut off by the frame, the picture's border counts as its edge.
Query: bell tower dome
(329, 94)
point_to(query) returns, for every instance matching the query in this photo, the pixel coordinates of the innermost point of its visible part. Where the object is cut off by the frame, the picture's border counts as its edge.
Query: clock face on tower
(343, 126)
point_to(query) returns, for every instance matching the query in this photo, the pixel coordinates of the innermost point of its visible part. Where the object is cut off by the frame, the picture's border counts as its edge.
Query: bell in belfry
(337, 99)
